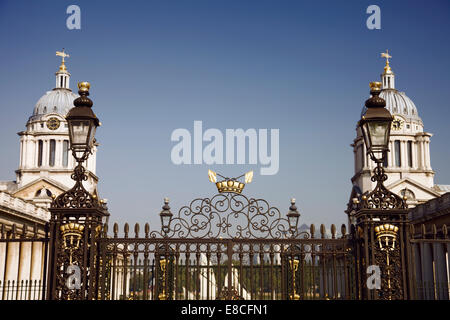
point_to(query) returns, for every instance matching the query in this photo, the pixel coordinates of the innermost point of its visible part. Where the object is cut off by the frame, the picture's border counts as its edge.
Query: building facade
(408, 162)
(44, 172)
(46, 163)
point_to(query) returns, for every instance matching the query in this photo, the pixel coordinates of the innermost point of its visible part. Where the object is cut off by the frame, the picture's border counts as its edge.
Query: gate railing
(156, 266)
(430, 262)
(23, 262)
(142, 268)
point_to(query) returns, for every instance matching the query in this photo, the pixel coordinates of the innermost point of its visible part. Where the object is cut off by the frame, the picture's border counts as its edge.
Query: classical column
(36, 261)
(422, 156)
(24, 152)
(21, 154)
(59, 147)
(45, 153)
(404, 154)
(24, 266)
(414, 154)
(12, 263)
(36, 154)
(427, 153)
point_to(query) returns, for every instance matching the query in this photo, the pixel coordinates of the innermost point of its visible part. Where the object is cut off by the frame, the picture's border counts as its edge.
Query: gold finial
(212, 176)
(230, 184)
(84, 86)
(386, 55)
(375, 85)
(62, 54)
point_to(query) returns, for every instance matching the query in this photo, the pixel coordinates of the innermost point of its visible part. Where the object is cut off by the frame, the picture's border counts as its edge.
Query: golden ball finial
(84, 86)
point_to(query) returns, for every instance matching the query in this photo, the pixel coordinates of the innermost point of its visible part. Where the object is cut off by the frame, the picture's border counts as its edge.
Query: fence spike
(136, 230)
(424, 231)
(115, 229)
(105, 230)
(146, 229)
(322, 231)
(312, 230)
(126, 229)
(24, 230)
(333, 231)
(13, 230)
(434, 230)
(343, 230)
(444, 231)
(2, 231)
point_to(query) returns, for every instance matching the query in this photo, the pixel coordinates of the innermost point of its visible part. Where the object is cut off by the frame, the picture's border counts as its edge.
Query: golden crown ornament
(230, 184)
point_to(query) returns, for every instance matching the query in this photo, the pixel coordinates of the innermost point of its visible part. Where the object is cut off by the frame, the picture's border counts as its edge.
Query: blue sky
(302, 67)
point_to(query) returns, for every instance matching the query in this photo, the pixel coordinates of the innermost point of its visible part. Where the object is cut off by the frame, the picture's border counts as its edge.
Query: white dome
(398, 103)
(58, 100)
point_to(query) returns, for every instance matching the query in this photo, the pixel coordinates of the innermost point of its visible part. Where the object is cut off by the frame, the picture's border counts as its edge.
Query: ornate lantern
(166, 216)
(82, 123)
(293, 217)
(375, 124)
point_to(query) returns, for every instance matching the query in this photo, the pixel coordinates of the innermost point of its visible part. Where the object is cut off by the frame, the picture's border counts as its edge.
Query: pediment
(29, 190)
(421, 192)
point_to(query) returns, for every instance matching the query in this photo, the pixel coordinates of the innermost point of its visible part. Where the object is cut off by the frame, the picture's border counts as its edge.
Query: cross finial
(386, 55)
(62, 54)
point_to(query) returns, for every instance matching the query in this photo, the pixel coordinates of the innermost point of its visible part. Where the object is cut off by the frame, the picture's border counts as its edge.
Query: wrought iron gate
(226, 247)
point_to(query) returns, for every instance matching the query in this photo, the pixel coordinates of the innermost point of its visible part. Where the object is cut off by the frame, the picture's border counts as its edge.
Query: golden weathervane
(387, 56)
(63, 55)
(230, 184)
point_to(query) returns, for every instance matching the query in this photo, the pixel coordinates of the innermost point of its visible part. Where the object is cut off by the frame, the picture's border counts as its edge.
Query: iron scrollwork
(229, 215)
(388, 257)
(380, 197)
(77, 197)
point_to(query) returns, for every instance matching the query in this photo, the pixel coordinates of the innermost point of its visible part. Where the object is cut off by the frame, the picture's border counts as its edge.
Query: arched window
(40, 149)
(408, 193)
(43, 192)
(51, 159)
(409, 149)
(398, 157)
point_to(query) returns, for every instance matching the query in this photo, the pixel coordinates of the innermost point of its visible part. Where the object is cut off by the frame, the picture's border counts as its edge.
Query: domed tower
(46, 163)
(407, 164)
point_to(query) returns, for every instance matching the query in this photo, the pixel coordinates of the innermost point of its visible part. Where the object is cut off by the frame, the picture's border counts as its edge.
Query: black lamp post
(77, 216)
(379, 214)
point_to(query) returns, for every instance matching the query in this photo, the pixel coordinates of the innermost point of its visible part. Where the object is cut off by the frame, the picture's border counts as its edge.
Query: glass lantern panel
(91, 136)
(378, 131)
(79, 131)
